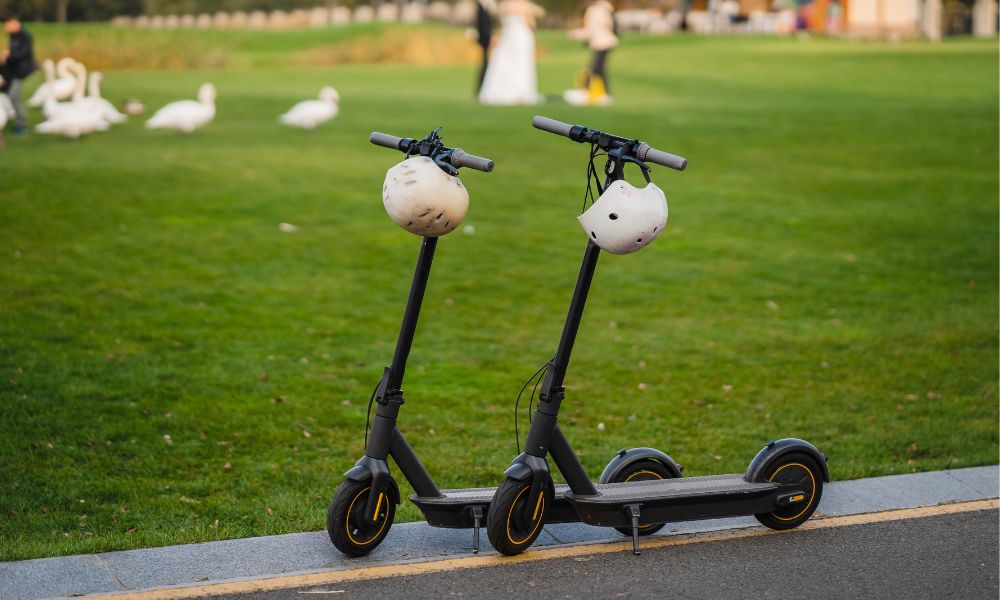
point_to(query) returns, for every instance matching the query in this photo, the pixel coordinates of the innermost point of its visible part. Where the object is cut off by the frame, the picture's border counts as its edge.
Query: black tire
(506, 535)
(344, 523)
(794, 468)
(642, 470)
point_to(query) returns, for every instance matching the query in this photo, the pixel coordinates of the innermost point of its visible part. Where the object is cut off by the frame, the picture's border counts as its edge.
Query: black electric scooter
(363, 507)
(640, 489)
(359, 518)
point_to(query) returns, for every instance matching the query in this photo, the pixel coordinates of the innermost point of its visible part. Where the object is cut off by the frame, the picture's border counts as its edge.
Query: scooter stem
(413, 302)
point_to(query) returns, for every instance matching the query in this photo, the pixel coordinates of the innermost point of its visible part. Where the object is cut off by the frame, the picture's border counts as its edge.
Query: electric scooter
(640, 490)
(358, 519)
(363, 507)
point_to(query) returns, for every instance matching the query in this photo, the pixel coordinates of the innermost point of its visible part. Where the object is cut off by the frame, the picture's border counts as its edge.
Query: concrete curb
(260, 557)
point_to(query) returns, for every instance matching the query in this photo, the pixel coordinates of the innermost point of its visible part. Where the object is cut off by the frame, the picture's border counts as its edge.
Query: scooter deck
(680, 499)
(454, 508)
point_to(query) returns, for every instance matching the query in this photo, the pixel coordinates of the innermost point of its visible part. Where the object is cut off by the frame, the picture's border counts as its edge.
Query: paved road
(952, 556)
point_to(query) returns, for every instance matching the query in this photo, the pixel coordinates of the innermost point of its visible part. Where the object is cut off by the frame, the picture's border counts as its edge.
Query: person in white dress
(511, 77)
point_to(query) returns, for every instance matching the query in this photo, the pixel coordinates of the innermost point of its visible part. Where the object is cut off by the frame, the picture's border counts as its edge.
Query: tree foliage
(101, 10)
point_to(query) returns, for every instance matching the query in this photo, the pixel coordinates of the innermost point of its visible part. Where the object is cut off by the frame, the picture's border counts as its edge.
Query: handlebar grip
(662, 158)
(385, 140)
(461, 158)
(551, 125)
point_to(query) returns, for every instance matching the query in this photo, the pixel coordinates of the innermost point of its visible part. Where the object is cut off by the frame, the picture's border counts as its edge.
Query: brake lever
(618, 157)
(443, 160)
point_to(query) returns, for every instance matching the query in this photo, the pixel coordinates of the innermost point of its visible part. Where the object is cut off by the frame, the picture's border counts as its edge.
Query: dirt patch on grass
(412, 48)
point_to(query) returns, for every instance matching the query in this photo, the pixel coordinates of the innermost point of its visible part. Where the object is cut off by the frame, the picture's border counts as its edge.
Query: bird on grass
(186, 115)
(309, 114)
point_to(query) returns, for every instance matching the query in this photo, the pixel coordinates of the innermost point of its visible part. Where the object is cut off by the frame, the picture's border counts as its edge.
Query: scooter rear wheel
(642, 470)
(799, 469)
(511, 524)
(345, 523)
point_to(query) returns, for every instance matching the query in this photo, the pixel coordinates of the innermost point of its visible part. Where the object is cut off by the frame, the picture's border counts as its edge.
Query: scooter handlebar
(551, 125)
(659, 157)
(461, 158)
(644, 152)
(385, 140)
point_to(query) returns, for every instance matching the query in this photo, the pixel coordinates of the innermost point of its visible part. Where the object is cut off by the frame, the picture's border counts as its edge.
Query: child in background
(599, 32)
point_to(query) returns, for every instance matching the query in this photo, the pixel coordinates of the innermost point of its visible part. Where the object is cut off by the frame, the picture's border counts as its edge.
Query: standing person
(18, 63)
(599, 32)
(484, 34)
(511, 77)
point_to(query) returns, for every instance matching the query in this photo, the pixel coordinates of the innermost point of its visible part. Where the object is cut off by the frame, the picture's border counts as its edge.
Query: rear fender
(624, 458)
(773, 451)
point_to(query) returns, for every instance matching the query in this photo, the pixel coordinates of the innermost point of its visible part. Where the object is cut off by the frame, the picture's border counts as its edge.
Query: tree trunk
(62, 7)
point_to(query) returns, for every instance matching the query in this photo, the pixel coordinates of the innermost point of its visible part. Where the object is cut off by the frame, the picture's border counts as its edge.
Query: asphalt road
(951, 556)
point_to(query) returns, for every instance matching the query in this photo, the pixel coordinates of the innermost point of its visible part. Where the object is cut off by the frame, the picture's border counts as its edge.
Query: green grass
(829, 272)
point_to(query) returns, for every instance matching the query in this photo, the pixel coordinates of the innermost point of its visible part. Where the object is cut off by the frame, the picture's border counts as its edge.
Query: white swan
(186, 115)
(6, 107)
(6, 112)
(308, 114)
(72, 119)
(73, 124)
(108, 111)
(52, 107)
(57, 89)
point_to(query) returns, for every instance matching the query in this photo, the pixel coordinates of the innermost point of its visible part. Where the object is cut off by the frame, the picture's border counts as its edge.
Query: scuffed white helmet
(423, 199)
(626, 218)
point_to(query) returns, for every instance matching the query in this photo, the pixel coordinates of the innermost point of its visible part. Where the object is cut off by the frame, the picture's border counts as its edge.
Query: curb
(272, 556)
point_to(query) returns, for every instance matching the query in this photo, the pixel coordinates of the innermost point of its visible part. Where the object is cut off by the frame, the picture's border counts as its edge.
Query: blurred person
(510, 76)
(598, 32)
(484, 35)
(18, 62)
(834, 13)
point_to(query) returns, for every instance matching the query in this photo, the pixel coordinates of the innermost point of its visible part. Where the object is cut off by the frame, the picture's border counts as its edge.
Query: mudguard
(535, 467)
(626, 457)
(776, 449)
(526, 465)
(365, 469)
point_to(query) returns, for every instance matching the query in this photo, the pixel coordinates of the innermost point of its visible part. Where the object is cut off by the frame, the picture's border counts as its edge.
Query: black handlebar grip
(662, 158)
(461, 158)
(551, 125)
(385, 140)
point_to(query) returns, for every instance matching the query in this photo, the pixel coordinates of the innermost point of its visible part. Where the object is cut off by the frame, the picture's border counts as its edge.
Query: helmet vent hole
(593, 235)
(440, 214)
(411, 181)
(410, 223)
(425, 213)
(446, 223)
(638, 241)
(655, 228)
(613, 216)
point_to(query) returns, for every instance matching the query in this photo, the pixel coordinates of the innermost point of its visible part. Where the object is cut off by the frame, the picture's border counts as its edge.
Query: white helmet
(626, 218)
(423, 199)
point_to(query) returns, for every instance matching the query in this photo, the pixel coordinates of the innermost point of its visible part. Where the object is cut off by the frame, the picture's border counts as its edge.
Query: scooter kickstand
(477, 516)
(633, 510)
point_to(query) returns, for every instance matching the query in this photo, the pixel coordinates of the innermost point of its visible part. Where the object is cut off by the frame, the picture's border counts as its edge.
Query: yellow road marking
(471, 562)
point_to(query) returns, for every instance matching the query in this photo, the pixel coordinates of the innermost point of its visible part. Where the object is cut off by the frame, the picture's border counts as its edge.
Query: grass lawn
(174, 368)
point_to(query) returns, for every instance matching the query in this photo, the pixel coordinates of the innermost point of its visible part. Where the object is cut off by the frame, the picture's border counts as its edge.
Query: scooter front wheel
(802, 470)
(643, 470)
(349, 531)
(511, 524)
